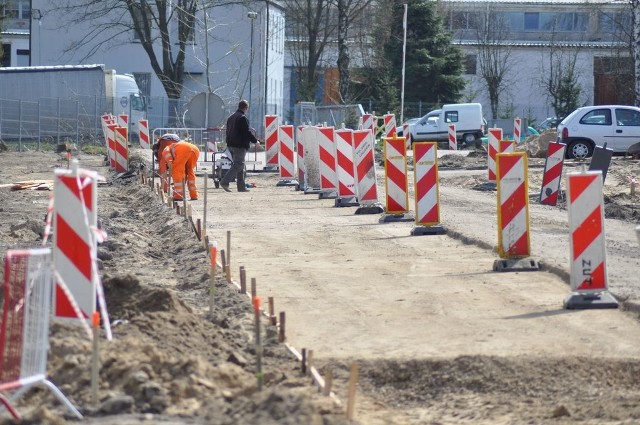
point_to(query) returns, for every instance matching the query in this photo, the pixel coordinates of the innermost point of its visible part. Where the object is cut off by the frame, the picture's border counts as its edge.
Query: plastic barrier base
(601, 300)
(393, 218)
(328, 194)
(370, 209)
(312, 191)
(516, 265)
(286, 182)
(301, 187)
(428, 230)
(347, 201)
(270, 168)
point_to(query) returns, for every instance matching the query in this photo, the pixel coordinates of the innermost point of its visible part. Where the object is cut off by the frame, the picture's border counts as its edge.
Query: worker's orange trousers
(184, 163)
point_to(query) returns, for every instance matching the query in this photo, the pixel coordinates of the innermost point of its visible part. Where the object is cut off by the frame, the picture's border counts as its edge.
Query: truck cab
(127, 99)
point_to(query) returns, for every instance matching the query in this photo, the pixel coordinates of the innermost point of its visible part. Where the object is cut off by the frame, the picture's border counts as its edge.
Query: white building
(15, 32)
(590, 30)
(234, 73)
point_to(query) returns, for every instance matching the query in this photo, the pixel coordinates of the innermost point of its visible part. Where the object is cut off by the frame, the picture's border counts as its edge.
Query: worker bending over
(158, 151)
(182, 156)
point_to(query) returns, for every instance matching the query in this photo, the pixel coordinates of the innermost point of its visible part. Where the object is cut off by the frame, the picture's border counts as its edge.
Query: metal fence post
(58, 124)
(78, 123)
(20, 126)
(39, 128)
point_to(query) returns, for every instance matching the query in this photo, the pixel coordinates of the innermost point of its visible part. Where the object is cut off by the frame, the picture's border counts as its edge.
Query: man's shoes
(225, 187)
(244, 190)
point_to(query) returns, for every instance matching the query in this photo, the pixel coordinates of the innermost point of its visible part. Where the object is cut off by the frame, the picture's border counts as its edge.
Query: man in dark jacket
(238, 139)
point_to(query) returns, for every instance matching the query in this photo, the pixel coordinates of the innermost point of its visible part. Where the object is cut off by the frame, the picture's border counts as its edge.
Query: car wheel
(580, 149)
(469, 139)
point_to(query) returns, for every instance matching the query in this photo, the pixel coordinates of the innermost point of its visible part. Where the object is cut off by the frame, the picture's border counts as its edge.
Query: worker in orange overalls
(158, 150)
(183, 157)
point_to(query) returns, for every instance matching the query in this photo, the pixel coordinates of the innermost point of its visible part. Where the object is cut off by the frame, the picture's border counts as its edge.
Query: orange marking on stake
(256, 304)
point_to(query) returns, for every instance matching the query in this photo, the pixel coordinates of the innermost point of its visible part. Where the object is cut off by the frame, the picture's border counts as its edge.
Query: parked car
(617, 126)
(551, 122)
(467, 117)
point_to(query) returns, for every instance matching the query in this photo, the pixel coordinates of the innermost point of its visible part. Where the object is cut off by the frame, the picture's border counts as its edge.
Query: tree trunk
(343, 52)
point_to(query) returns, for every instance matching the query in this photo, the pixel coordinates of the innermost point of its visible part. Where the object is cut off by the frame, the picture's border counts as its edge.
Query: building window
(470, 64)
(614, 23)
(22, 57)
(463, 21)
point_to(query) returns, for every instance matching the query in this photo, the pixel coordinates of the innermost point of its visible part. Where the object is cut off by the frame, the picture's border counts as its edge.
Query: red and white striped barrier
(395, 170)
(517, 130)
(111, 144)
(121, 150)
(588, 255)
(326, 149)
(123, 120)
(143, 134)
(345, 168)
(427, 198)
(406, 133)
(506, 146)
(552, 173)
(271, 141)
(311, 143)
(513, 205)
(24, 326)
(389, 125)
(365, 168)
(74, 245)
(300, 162)
(495, 135)
(368, 123)
(285, 158)
(453, 141)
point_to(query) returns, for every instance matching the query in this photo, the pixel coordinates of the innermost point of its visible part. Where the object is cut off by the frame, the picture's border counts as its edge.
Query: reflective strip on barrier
(406, 133)
(586, 227)
(395, 171)
(143, 134)
(506, 146)
(368, 123)
(365, 167)
(453, 141)
(285, 151)
(327, 151)
(513, 205)
(123, 120)
(552, 173)
(427, 198)
(121, 149)
(344, 163)
(389, 125)
(271, 139)
(495, 134)
(300, 154)
(111, 144)
(517, 133)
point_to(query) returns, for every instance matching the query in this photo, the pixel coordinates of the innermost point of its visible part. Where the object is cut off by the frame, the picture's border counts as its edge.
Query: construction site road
(354, 287)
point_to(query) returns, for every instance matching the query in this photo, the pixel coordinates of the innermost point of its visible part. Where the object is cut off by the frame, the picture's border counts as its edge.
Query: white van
(434, 126)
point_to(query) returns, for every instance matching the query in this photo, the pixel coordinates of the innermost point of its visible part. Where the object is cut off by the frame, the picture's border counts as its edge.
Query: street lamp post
(404, 54)
(253, 16)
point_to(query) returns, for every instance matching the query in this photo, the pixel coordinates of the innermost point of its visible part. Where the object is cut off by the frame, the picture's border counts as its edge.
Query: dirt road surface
(439, 337)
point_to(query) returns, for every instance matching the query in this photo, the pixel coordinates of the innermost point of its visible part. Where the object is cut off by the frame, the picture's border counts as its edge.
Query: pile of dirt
(169, 358)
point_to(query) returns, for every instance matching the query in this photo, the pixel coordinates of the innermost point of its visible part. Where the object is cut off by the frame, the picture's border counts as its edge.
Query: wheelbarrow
(221, 164)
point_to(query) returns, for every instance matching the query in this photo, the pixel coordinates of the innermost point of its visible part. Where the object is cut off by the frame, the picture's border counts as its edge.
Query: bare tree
(494, 55)
(351, 14)
(310, 28)
(560, 79)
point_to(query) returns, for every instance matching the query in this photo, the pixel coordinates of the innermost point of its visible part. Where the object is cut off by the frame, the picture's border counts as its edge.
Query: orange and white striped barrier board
(427, 197)
(345, 169)
(406, 133)
(389, 125)
(143, 134)
(552, 173)
(588, 255)
(395, 170)
(111, 144)
(123, 120)
(271, 141)
(24, 326)
(495, 135)
(506, 146)
(286, 160)
(365, 168)
(453, 141)
(121, 149)
(74, 244)
(300, 158)
(327, 152)
(513, 205)
(517, 130)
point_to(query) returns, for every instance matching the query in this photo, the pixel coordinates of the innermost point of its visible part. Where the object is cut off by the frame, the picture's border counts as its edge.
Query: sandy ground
(438, 336)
